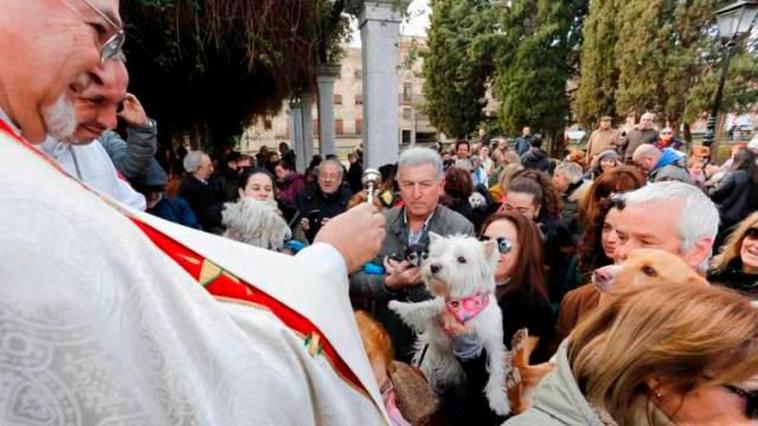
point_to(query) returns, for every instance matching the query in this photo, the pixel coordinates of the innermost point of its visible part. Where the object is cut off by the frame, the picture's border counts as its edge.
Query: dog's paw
(498, 400)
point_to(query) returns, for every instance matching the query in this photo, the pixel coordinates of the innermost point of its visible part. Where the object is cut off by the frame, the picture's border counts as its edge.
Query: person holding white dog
(391, 276)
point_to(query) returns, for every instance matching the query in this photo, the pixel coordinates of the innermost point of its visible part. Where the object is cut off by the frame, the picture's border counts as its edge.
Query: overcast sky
(416, 24)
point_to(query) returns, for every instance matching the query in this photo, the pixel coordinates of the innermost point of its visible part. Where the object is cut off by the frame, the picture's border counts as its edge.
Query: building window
(337, 99)
(407, 114)
(358, 126)
(338, 128)
(407, 92)
(315, 127)
(358, 73)
(406, 138)
(267, 123)
(359, 99)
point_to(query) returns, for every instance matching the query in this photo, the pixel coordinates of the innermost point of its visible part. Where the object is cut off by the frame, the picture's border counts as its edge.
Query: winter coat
(312, 203)
(206, 200)
(131, 156)
(536, 159)
(175, 210)
(292, 185)
(671, 166)
(363, 284)
(634, 139)
(733, 277)
(523, 144)
(559, 401)
(735, 196)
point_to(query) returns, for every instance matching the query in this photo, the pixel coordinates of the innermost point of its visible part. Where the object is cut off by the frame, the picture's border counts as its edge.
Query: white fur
(255, 222)
(458, 279)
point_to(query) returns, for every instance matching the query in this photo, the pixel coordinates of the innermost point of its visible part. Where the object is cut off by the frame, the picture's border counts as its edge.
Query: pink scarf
(466, 308)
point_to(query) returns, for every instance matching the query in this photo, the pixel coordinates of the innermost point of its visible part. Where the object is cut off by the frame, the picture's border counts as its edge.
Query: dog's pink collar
(466, 308)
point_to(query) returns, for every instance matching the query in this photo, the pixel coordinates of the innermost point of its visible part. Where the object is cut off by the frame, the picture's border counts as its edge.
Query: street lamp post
(733, 21)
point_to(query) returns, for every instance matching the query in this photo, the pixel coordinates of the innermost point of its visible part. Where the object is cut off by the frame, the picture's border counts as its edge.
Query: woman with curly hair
(736, 266)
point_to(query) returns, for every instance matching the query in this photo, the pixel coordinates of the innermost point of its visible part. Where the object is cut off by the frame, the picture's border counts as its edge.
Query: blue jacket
(671, 166)
(175, 210)
(523, 143)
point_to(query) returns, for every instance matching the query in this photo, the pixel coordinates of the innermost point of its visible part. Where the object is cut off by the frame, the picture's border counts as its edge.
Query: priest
(111, 316)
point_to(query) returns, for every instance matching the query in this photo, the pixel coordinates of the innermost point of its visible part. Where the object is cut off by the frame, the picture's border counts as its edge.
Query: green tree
(457, 64)
(208, 67)
(534, 61)
(598, 79)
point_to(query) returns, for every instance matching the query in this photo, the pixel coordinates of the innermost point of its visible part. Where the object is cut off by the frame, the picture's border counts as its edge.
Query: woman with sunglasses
(673, 354)
(523, 300)
(737, 264)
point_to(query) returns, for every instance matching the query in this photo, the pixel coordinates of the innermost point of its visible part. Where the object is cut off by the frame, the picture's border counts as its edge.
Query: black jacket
(736, 197)
(733, 277)
(536, 159)
(206, 200)
(312, 203)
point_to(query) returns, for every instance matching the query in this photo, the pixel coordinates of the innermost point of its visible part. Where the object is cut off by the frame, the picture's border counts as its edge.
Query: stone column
(306, 101)
(325, 77)
(379, 21)
(296, 133)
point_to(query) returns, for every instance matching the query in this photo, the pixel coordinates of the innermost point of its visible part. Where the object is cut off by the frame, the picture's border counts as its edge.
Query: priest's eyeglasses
(112, 47)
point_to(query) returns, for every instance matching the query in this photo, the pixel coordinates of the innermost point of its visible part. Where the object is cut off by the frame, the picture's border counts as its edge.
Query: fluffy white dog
(255, 222)
(459, 273)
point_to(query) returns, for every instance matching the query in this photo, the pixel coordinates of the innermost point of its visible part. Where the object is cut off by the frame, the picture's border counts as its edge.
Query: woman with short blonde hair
(657, 355)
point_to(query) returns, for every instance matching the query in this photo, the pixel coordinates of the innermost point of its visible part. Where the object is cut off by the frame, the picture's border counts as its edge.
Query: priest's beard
(60, 119)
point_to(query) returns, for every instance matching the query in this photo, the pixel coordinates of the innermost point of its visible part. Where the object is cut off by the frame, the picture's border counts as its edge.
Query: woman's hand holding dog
(451, 326)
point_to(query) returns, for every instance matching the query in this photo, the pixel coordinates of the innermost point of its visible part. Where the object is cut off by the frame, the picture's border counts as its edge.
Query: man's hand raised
(357, 234)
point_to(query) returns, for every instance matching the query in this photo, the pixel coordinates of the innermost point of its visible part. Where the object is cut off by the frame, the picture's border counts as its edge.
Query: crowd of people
(245, 292)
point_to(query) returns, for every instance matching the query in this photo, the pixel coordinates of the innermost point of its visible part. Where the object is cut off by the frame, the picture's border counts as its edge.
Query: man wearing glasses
(107, 316)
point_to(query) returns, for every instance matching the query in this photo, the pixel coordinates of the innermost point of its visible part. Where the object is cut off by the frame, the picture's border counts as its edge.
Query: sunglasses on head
(504, 245)
(751, 400)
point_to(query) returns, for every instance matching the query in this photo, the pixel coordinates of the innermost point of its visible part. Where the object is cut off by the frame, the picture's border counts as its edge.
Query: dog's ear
(434, 237)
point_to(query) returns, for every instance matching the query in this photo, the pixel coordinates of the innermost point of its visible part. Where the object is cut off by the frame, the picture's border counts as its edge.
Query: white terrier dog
(255, 222)
(459, 273)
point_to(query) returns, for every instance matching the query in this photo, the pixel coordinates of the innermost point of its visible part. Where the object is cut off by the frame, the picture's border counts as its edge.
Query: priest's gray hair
(192, 161)
(698, 216)
(572, 171)
(418, 156)
(255, 222)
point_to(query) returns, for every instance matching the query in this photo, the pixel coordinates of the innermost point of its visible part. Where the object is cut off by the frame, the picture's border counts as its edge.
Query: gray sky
(416, 24)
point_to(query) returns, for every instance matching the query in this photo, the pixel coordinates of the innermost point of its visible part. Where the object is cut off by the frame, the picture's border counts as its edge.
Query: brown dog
(643, 267)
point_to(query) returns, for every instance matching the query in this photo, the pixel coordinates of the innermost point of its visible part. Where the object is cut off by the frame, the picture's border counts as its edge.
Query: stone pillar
(379, 21)
(306, 101)
(296, 134)
(325, 77)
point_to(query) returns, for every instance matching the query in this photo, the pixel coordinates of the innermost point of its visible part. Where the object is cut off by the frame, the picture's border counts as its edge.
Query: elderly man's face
(641, 226)
(646, 122)
(48, 48)
(420, 189)
(97, 105)
(329, 178)
(205, 170)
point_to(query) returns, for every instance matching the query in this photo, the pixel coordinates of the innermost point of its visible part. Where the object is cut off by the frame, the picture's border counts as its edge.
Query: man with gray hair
(672, 216)
(393, 275)
(321, 202)
(643, 133)
(203, 195)
(661, 165)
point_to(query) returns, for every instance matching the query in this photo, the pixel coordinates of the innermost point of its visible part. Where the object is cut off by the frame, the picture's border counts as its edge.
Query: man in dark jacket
(644, 133)
(391, 276)
(323, 201)
(524, 142)
(204, 196)
(536, 158)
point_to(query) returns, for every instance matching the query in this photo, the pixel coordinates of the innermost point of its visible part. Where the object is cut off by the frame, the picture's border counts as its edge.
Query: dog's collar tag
(466, 308)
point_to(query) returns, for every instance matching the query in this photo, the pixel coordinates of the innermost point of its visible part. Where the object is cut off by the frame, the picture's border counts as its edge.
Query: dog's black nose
(435, 268)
